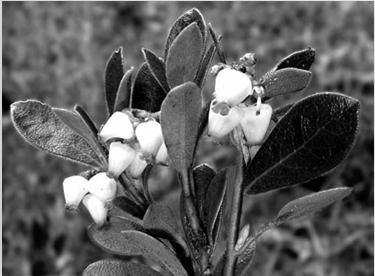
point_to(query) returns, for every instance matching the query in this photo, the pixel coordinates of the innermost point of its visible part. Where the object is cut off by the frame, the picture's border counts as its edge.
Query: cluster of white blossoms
(227, 110)
(132, 144)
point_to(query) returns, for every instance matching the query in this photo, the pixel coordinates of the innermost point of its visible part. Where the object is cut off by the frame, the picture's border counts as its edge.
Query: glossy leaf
(133, 243)
(128, 206)
(184, 56)
(204, 66)
(42, 128)
(147, 93)
(160, 217)
(301, 60)
(124, 90)
(245, 260)
(285, 81)
(113, 267)
(157, 68)
(113, 74)
(311, 203)
(281, 111)
(312, 138)
(181, 23)
(179, 121)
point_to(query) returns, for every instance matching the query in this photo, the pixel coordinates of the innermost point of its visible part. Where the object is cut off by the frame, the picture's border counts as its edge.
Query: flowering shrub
(156, 118)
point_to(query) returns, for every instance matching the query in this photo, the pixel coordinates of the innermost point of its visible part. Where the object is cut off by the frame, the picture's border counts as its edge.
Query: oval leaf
(161, 218)
(180, 113)
(284, 81)
(311, 203)
(42, 128)
(113, 74)
(204, 66)
(202, 174)
(147, 94)
(128, 206)
(181, 23)
(118, 267)
(124, 90)
(157, 68)
(312, 138)
(184, 56)
(216, 39)
(301, 60)
(132, 243)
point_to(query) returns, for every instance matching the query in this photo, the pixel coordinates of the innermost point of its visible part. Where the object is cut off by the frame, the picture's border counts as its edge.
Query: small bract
(117, 126)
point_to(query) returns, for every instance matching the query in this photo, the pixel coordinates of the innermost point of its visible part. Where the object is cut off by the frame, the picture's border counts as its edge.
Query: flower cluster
(228, 109)
(132, 145)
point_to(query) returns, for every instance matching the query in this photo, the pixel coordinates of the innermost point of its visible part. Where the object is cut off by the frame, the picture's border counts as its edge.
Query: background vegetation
(56, 52)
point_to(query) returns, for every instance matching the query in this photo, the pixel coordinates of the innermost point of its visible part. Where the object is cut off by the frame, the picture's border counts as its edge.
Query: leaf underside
(313, 137)
(113, 75)
(157, 68)
(42, 128)
(160, 217)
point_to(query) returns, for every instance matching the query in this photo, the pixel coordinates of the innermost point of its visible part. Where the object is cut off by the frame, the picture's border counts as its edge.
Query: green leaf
(179, 119)
(147, 93)
(245, 260)
(87, 119)
(181, 23)
(284, 81)
(184, 56)
(216, 39)
(124, 90)
(157, 68)
(113, 267)
(311, 203)
(42, 128)
(312, 138)
(301, 60)
(129, 206)
(160, 217)
(133, 243)
(113, 74)
(281, 111)
(204, 66)
(202, 175)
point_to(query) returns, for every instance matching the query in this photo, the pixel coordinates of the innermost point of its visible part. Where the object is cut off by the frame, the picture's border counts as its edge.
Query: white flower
(102, 186)
(149, 136)
(96, 208)
(232, 86)
(255, 125)
(242, 236)
(117, 126)
(220, 124)
(74, 190)
(162, 155)
(137, 166)
(119, 158)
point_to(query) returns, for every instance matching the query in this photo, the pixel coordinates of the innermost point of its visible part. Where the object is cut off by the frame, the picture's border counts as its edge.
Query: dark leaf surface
(311, 203)
(87, 119)
(285, 81)
(179, 118)
(160, 217)
(301, 60)
(124, 90)
(42, 128)
(113, 74)
(245, 260)
(128, 206)
(184, 56)
(118, 267)
(147, 93)
(204, 66)
(202, 175)
(219, 47)
(313, 137)
(281, 111)
(133, 243)
(157, 68)
(181, 23)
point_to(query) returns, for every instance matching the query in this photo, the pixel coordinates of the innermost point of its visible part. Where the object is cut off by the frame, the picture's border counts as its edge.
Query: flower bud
(74, 190)
(149, 136)
(96, 208)
(117, 126)
(242, 236)
(119, 158)
(220, 124)
(255, 125)
(232, 86)
(162, 155)
(102, 186)
(137, 166)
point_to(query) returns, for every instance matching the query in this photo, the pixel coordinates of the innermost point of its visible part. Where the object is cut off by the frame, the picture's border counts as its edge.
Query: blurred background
(56, 52)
